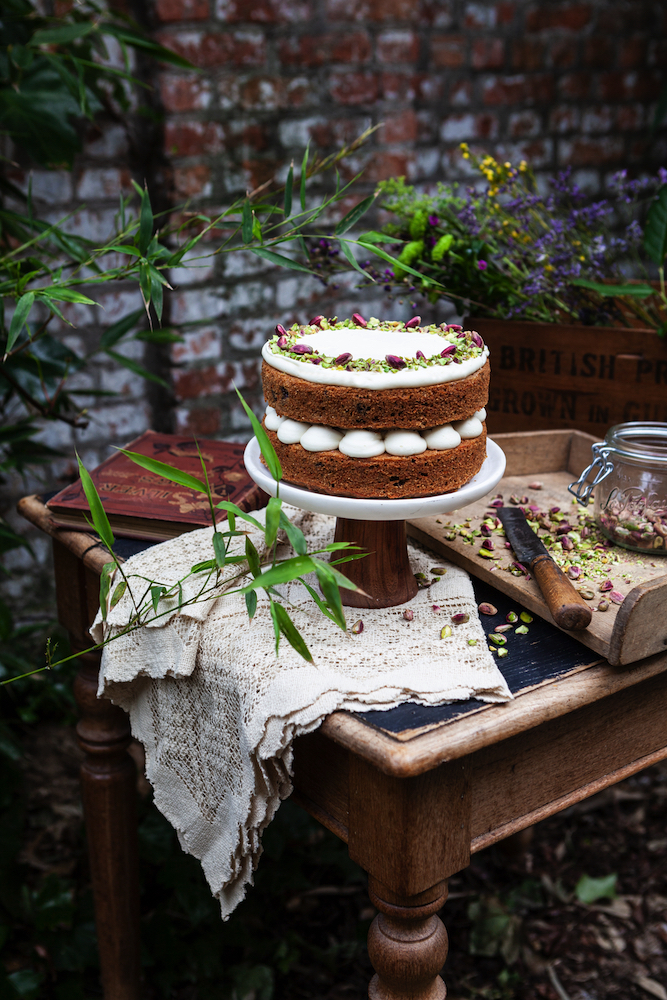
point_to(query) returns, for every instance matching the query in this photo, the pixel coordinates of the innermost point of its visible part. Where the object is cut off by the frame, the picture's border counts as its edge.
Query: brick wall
(558, 82)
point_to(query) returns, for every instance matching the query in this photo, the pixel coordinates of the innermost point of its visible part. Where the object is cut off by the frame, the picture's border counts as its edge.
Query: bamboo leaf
(145, 223)
(341, 580)
(329, 587)
(156, 594)
(639, 291)
(283, 572)
(105, 583)
(231, 508)
(118, 593)
(220, 550)
(97, 511)
(280, 259)
(296, 537)
(19, 319)
(304, 169)
(167, 471)
(64, 295)
(290, 631)
(396, 263)
(318, 601)
(354, 215)
(265, 446)
(246, 222)
(251, 604)
(347, 253)
(116, 331)
(252, 555)
(200, 567)
(655, 231)
(62, 35)
(273, 512)
(276, 625)
(287, 205)
(135, 367)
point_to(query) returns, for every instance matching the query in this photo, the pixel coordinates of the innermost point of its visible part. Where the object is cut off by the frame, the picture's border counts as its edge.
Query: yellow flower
(582, 257)
(576, 243)
(523, 166)
(508, 165)
(548, 267)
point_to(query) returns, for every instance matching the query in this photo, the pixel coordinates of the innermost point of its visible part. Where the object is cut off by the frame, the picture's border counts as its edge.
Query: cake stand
(378, 526)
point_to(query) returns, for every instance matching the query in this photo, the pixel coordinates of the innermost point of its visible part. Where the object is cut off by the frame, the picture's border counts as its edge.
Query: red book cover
(140, 504)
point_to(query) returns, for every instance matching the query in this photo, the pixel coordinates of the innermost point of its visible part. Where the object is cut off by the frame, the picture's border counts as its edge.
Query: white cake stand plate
(378, 526)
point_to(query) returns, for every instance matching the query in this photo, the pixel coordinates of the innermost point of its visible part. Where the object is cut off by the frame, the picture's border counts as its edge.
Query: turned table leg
(407, 944)
(108, 787)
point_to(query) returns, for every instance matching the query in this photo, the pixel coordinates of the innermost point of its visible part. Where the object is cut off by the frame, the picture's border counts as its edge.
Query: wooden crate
(625, 633)
(547, 375)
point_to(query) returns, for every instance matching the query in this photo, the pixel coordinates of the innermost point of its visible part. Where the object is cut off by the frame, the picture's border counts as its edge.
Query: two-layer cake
(376, 409)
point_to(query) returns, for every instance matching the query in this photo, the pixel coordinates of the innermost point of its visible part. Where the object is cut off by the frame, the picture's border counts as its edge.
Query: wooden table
(413, 791)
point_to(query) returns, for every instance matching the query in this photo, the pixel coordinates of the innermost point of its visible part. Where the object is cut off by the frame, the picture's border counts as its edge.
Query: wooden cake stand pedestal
(378, 526)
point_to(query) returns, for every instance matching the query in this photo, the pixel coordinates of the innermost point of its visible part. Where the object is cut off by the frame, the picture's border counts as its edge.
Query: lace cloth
(217, 711)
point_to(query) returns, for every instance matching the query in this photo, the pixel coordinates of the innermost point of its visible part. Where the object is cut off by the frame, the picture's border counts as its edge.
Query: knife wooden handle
(568, 609)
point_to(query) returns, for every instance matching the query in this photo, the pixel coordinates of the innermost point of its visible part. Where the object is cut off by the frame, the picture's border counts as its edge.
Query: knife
(568, 609)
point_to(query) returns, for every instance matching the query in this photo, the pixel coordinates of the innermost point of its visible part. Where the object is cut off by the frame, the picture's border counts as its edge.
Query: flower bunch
(505, 247)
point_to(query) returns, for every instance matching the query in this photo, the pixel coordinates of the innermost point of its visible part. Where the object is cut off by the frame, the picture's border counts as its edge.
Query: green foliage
(589, 890)
(655, 234)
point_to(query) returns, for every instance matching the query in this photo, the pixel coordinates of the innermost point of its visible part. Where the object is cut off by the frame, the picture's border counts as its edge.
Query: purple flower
(482, 265)
(433, 220)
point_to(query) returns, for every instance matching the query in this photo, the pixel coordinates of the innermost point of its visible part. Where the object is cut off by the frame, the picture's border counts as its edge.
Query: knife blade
(568, 609)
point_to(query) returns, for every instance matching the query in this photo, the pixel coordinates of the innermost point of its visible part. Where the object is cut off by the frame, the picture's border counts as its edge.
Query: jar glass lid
(640, 442)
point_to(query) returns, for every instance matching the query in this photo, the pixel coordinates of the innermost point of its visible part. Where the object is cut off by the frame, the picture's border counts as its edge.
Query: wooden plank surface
(623, 634)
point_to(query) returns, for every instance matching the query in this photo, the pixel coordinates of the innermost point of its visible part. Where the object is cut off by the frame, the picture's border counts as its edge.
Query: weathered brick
(353, 88)
(504, 89)
(182, 10)
(545, 17)
(488, 53)
(301, 92)
(505, 12)
(576, 86)
(564, 118)
(263, 11)
(448, 51)
(527, 54)
(197, 306)
(207, 49)
(193, 181)
(399, 86)
(193, 383)
(369, 10)
(479, 15)
(458, 128)
(192, 138)
(316, 50)
(598, 119)
(200, 421)
(338, 131)
(563, 53)
(460, 93)
(590, 151)
(184, 93)
(598, 52)
(263, 92)
(630, 116)
(397, 46)
(538, 152)
(98, 183)
(523, 124)
(400, 128)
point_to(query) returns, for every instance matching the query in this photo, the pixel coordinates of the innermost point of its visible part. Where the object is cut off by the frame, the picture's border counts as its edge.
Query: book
(140, 504)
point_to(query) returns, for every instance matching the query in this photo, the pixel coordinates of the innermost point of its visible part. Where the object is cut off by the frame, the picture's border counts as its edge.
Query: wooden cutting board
(625, 633)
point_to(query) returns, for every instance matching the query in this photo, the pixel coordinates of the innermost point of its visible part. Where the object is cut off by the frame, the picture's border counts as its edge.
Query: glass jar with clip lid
(631, 486)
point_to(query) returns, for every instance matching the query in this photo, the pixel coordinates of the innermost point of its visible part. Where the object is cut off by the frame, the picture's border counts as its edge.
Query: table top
(549, 674)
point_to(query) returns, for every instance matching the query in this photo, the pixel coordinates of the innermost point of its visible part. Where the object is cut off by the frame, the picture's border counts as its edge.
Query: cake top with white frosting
(375, 355)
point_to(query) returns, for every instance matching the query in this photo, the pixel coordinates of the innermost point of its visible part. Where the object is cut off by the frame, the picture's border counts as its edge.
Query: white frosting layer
(374, 345)
(370, 444)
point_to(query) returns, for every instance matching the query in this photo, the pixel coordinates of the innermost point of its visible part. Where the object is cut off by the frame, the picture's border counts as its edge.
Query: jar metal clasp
(581, 489)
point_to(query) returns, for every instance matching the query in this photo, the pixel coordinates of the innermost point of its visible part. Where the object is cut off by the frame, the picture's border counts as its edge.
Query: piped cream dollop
(319, 438)
(291, 431)
(272, 420)
(470, 428)
(404, 443)
(362, 444)
(442, 438)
